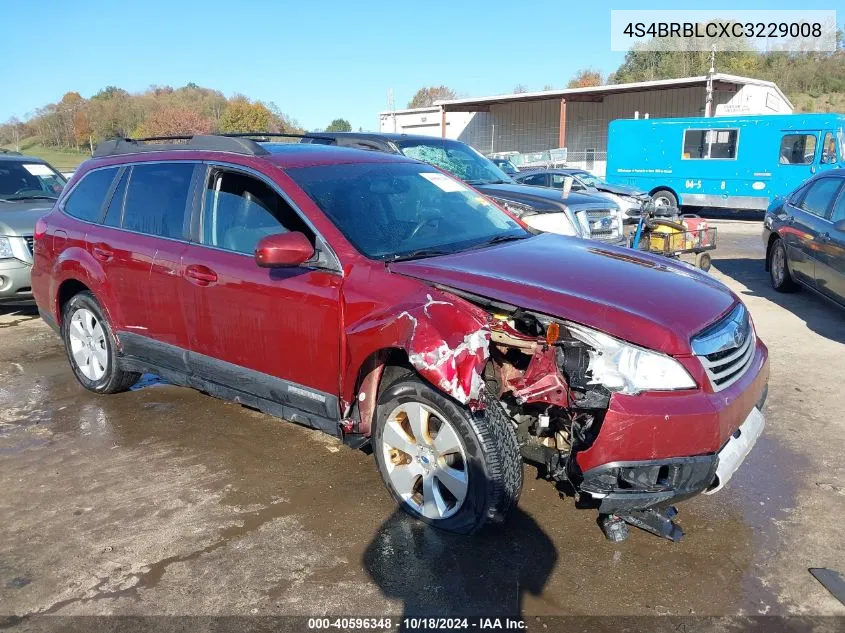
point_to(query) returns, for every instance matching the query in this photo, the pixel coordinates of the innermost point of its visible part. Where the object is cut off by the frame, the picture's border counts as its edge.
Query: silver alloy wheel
(425, 460)
(778, 264)
(88, 344)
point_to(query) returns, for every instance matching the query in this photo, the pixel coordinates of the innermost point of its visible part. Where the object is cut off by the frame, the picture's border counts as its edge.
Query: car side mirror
(839, 226)
(283, 250)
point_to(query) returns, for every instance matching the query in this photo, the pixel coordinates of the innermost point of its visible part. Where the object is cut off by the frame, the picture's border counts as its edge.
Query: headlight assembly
(626, 368)
(5, 248)
(517, 208)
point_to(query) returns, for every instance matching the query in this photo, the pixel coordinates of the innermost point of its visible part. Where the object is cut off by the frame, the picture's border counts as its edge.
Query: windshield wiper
(419, 254)
(498, 239)
(33, 197)
(475, 183)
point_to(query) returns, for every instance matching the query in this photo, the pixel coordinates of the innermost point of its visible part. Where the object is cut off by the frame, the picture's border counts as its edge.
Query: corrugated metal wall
(535, 126)
(586, 123)
(523, 127)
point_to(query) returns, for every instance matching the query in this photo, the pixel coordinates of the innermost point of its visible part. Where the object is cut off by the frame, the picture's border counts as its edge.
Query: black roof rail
(11, 152)
(209, 142)
(266, 136)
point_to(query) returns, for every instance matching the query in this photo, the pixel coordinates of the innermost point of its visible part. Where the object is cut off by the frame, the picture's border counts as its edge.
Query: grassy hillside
(61, 159)
(824, 102)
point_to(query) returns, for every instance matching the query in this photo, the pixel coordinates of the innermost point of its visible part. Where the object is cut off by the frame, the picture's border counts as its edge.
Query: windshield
(393, 210)
(588, 179)
(20, 180)
(457, 158)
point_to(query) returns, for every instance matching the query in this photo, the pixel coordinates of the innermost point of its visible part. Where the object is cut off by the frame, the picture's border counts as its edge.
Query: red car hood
(645, 299)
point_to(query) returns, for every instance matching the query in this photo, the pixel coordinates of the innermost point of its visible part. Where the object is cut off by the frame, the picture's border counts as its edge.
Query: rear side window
(537, 180)
(86, 200)
(821, 193)
(797, 149)
(838, 213)
(156, 198)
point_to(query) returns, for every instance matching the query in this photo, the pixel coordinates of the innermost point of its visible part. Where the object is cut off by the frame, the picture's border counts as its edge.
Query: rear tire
(779, 273)
(91, 346)
(477, 476)
(664, 198)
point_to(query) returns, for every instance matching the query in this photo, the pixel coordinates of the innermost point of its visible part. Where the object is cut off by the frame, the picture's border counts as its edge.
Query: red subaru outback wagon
(379, 299)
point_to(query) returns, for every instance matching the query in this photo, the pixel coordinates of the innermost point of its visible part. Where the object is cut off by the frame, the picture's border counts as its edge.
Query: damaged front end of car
(557, 381)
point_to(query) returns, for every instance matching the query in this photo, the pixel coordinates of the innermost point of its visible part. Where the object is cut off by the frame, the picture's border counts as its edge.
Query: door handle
(102, 252)
(789, 220)
(200, 275)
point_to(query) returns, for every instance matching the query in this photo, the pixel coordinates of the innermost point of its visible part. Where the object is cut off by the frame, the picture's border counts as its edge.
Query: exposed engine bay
(541, 374)
(552, 383)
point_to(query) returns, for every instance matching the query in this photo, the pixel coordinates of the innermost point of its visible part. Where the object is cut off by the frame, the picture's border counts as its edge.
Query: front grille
(726, 348)
(30, 243)
(602, 224)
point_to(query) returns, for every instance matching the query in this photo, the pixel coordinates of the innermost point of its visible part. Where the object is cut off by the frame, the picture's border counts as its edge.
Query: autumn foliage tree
(425, 97)
(75, 122)
(174, 121)
(241, 115)
(586, 78)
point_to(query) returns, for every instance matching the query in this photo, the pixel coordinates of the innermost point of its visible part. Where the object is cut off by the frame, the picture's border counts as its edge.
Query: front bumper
(624, 486)
(15, 281)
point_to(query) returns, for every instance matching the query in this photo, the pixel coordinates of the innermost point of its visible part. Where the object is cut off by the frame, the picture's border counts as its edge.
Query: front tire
(664, 198)
(779, 273)
(91, 348)
(451, 468)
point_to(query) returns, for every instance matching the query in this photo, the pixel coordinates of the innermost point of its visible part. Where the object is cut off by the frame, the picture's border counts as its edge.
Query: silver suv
(28, 189)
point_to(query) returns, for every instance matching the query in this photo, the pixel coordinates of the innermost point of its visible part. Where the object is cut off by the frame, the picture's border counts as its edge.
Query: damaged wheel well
(378, 371)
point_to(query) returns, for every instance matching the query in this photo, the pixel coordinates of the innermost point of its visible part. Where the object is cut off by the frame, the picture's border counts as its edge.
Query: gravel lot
(163, 500)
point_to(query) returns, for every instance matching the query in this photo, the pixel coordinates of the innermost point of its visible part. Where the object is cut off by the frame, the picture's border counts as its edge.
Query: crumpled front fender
(445, 337)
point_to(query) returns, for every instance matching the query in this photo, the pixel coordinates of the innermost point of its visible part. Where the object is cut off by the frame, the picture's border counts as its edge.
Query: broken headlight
(620, 366)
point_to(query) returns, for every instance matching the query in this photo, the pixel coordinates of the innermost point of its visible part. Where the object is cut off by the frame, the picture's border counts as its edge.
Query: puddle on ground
(549, 559)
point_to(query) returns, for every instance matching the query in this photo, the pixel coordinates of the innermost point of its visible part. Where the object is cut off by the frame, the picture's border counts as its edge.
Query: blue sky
(317, 60)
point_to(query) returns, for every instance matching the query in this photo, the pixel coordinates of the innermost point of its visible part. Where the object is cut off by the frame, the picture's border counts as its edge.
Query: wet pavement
(165, 500)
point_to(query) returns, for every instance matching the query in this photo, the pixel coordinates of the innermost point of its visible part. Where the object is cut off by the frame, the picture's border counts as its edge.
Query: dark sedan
(804, 234)
(630, 200)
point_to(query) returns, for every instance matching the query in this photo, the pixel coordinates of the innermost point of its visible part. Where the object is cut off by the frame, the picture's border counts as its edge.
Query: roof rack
(117, 146)
(11, 152)
(236, 143)
(266, 136)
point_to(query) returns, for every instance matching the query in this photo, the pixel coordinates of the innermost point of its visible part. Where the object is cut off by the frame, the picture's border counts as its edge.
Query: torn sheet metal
(452, 358)
(542, 380)
(446, 340)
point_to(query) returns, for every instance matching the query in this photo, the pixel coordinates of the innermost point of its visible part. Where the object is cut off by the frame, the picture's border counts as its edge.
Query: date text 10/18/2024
(418, 623)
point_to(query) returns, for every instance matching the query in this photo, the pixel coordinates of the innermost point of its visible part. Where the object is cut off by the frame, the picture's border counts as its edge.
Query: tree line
(78, 123)
(814, 81)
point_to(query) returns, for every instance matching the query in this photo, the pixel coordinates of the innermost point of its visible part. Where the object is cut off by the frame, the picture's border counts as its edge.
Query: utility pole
(708, 105)
(391, 105)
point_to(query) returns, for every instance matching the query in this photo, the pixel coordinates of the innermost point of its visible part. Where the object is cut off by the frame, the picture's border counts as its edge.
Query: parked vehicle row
(630, 200)
(378, 298)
